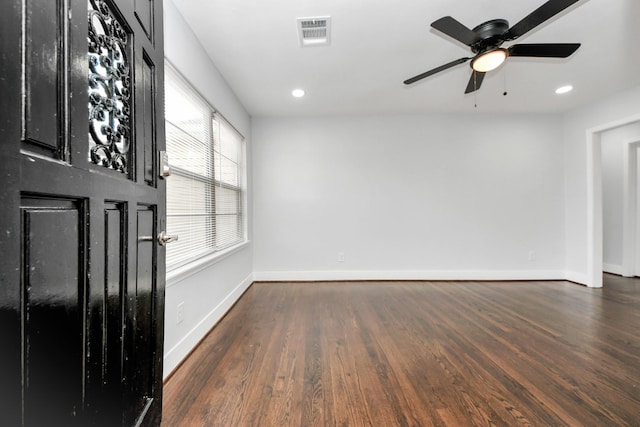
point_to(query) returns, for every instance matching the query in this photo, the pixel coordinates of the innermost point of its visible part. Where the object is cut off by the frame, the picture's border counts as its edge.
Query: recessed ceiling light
(297, 93)
(564, 89)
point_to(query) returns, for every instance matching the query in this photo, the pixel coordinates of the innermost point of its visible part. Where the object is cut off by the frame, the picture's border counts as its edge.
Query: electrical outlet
(532, 255)
(180, 313)
(340, 256)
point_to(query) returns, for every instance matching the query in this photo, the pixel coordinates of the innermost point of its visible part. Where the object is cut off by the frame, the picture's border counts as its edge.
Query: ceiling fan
(485, 41)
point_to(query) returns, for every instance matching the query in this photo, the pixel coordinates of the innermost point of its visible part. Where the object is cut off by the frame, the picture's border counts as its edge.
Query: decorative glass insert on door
(109, 89)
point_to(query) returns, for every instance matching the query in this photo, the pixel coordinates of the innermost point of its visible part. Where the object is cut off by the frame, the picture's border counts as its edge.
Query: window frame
(217, 250)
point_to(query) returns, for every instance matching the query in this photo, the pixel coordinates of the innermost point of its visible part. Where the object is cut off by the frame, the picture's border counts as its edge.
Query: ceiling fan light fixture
(489, 60)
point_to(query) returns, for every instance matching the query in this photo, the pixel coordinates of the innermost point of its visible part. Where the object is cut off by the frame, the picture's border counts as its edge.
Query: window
(205, 190)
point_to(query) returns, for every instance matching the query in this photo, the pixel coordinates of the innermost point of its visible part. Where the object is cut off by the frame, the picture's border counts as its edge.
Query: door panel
(112, 366)
(144, 314)
(52, 309)
(81, 272)
(147, 120)
(115, 291)
(144, 13)
(43, 76)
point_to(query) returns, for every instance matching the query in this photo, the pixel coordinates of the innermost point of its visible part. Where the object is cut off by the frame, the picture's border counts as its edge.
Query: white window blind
(204, 191)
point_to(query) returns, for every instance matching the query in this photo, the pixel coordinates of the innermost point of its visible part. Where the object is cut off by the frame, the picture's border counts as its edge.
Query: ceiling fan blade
(455, 29)
(435, 70)
(537, 17)
(474, 82)
(544, 50)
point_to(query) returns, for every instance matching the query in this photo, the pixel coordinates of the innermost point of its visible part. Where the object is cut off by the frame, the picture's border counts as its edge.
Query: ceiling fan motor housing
(491, 33)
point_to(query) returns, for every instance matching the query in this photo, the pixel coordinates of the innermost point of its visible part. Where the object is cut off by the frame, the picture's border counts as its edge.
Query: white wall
(613, 147)
(439, 196)
(576, 123)
(210, 290)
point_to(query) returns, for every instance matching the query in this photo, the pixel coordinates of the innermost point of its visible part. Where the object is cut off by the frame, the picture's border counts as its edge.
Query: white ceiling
(377, 44)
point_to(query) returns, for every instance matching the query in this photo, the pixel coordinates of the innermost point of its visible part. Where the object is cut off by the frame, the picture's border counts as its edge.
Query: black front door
(81, 269)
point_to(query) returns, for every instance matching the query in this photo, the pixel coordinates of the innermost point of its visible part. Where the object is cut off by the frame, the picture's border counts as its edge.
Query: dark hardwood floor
(417, 354)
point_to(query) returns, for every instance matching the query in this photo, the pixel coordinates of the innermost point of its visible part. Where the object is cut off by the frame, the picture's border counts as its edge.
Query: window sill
(181, 273)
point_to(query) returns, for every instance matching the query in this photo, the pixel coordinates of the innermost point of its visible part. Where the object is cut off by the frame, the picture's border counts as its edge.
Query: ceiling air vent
(314, 31)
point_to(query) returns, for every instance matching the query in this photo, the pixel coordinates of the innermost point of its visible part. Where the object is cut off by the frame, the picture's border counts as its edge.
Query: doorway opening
(631, 222)
(594, 198)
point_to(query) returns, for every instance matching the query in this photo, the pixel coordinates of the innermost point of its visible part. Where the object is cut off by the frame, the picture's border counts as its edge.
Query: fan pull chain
(505, 82)
(475, 90)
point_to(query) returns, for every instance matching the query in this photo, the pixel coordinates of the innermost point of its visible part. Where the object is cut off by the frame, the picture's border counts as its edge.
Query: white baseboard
(612, 268)
(292, 276)
(580, 278)
(175, 355)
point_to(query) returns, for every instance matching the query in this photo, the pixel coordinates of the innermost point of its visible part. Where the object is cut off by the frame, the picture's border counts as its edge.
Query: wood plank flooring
(417, 354)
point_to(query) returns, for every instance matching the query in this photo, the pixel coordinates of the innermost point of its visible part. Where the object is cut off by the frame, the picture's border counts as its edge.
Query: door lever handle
(164, 238)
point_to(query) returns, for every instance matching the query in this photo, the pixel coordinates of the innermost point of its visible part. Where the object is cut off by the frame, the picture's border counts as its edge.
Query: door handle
(164, 238)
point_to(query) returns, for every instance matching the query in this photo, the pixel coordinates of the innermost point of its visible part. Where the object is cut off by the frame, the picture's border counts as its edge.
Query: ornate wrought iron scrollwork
(109, 89)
